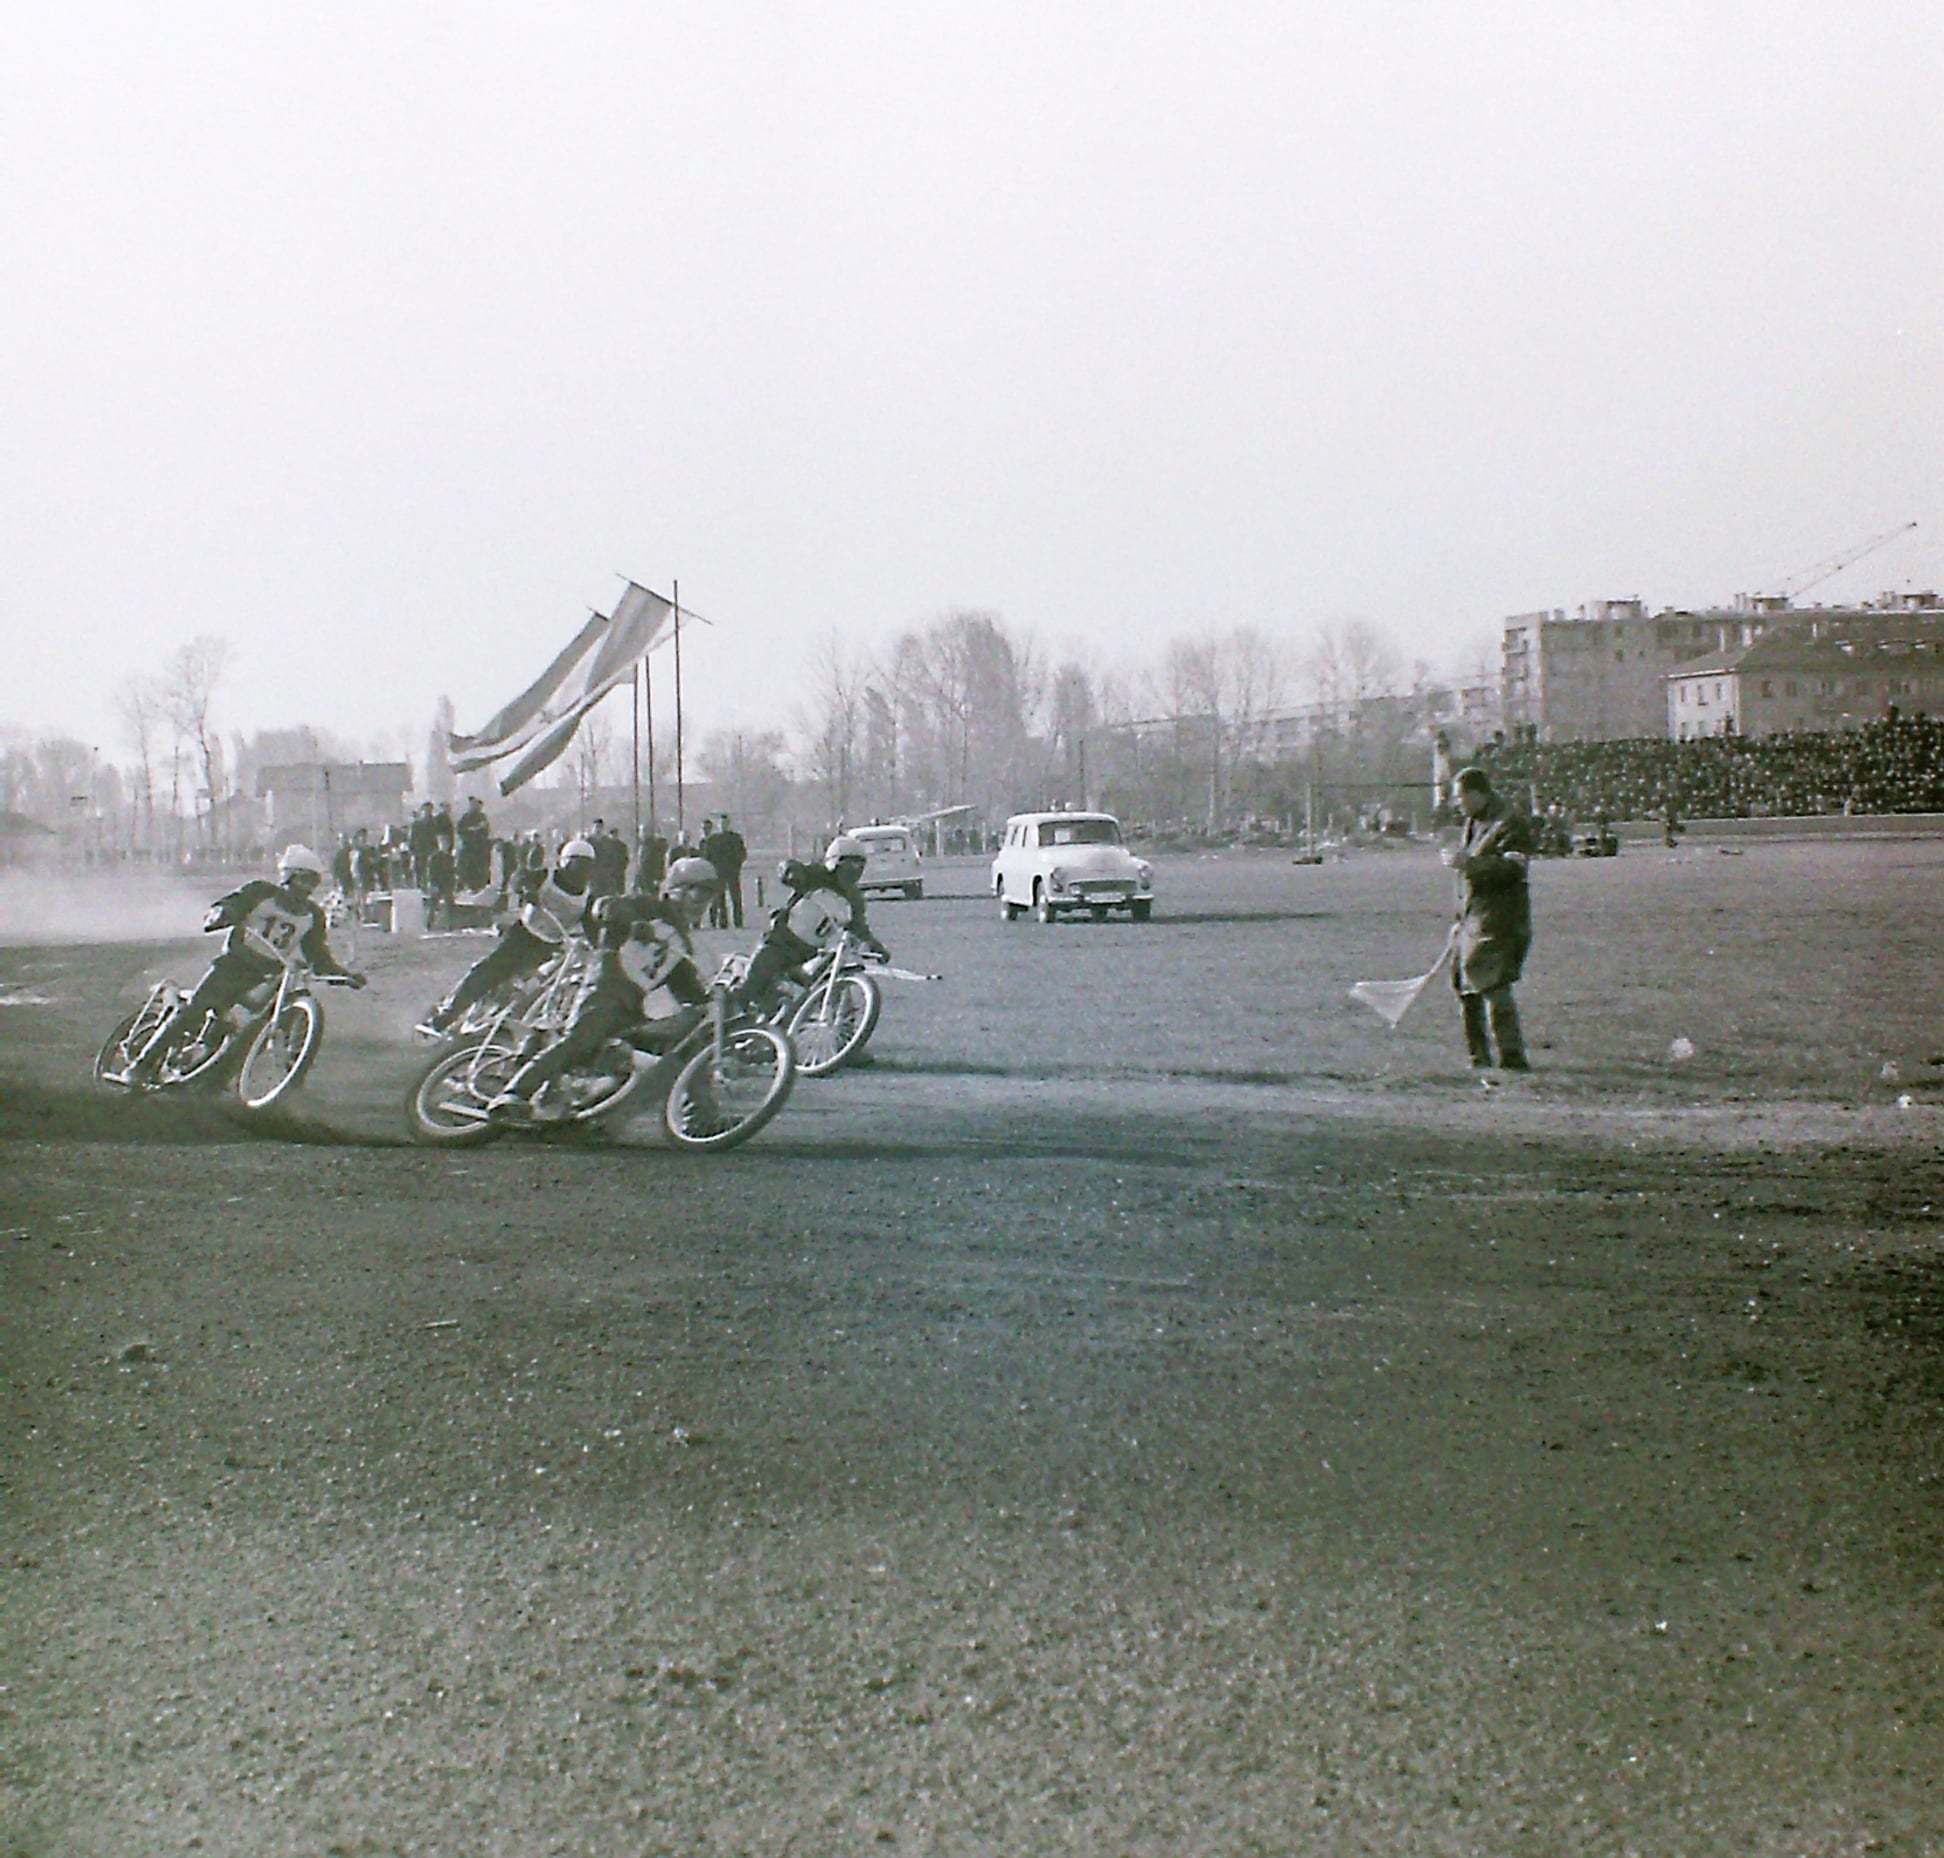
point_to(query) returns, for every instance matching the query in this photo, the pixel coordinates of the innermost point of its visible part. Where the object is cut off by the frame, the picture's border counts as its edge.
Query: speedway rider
(555, 907)
(286, 915)
(824, 899)
(645, 946)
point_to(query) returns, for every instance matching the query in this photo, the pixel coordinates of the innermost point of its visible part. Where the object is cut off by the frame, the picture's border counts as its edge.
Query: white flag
(634, 631)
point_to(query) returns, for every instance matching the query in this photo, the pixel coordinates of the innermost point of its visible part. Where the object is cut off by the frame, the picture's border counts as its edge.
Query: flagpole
(634, 708)
(681, 826)
(648, 704)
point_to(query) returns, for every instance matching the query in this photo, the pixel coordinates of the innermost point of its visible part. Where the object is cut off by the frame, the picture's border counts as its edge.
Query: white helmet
(577, 848)
(300, 858)
(690, 874)
(842, 846)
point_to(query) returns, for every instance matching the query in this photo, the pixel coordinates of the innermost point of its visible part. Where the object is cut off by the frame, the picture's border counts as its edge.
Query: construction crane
(1822, 570)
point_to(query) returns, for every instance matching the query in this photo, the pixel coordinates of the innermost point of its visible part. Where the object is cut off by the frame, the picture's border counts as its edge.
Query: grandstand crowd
(1895, 765)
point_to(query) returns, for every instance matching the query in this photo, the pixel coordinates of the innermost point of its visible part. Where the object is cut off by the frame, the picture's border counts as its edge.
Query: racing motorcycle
(263, 1046)
(731, 1075)
(830, 1017)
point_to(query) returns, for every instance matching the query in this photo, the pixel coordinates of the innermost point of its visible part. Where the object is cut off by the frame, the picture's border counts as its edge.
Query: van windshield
(1079, 832)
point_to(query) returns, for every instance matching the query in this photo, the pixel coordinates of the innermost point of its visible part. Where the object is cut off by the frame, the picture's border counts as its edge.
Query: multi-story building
(317, 800)
(1601, 674)
(1818, 680)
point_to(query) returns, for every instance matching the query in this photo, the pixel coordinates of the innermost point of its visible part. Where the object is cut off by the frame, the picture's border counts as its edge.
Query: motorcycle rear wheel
(116, 1052)
(445, 1106)
(716, 1104)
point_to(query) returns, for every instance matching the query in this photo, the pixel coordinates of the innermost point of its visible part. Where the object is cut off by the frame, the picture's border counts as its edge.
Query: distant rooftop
(337, 777)
(1796, 651)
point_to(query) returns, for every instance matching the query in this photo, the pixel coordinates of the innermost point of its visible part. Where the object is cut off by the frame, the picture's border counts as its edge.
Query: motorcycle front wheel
(717, 1101)
(830, 1024)
(278, 1055)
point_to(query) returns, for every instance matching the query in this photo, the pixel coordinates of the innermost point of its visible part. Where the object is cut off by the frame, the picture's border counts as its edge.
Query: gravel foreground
(1096, 1445)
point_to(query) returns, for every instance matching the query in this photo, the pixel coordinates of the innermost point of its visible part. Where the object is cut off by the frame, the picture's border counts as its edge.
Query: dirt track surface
(1152, 1409)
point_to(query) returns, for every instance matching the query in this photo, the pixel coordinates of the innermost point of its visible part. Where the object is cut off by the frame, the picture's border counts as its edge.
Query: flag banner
(634, 631)
(1391, 1000)
(527, 712)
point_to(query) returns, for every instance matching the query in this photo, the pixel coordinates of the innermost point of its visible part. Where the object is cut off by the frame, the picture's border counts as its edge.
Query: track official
(1494, 920)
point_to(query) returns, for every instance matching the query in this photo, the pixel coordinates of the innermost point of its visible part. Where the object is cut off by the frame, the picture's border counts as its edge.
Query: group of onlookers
(453, 860)
(1894, 765)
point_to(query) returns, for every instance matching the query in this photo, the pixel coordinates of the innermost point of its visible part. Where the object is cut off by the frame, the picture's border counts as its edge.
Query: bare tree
(829, 724)
(591, 745)
(142, 723)
(1071, 716)
(747, 770)
(968, 688)
(438, 782)
(189, 686)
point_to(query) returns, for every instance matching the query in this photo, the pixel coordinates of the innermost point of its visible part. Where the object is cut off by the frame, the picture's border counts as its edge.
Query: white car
(890, 859)
(1054, 862)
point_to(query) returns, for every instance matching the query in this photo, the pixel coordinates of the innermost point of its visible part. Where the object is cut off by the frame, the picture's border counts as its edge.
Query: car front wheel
(1141, 909)
(1043, 910)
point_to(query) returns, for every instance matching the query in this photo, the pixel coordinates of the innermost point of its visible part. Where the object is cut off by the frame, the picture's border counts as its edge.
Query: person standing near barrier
(725, 850)
(651, 860)
(441, 873)
(422, 839)
(1494, 928)
(610, 860)
(475, 835)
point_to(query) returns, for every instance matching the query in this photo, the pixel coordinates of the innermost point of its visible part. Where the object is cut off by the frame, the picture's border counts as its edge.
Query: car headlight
(1056, 879)
(1145, 873)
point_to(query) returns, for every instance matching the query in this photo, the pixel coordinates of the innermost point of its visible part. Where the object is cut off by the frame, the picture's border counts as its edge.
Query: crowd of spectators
(1894, 765)
(463, 861)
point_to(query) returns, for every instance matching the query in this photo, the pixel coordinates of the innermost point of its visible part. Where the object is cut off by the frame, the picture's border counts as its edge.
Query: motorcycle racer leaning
(285, 914)
(824, 898)
(645, 946)
(554, 907)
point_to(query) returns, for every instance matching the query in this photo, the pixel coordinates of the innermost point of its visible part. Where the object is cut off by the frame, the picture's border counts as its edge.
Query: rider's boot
(550, 1105)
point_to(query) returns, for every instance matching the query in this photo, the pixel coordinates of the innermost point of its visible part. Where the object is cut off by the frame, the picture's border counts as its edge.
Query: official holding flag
(1494, 920)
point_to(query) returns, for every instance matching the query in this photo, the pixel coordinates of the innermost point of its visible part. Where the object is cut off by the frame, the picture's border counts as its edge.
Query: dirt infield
(1153, 1408)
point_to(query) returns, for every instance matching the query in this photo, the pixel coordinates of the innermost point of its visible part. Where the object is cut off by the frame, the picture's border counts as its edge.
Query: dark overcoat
(1495, 916)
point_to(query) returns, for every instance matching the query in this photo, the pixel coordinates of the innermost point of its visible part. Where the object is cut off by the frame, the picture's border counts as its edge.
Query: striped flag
(527, 712)
(634, 631)
(539, 723)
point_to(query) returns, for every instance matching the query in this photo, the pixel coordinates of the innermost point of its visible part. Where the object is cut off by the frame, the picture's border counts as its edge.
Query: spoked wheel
(446, 1104)
(119, 1048)
(718, 1102)
(600, 1093)
(198, 1053)
(191, 1052)
(276, 1059)
(830, 1024)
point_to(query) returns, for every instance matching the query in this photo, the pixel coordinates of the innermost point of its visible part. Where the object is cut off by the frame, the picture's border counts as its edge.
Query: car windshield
(1079, 832)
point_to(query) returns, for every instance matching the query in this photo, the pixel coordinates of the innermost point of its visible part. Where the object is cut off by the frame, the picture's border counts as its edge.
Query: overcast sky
(378, 337)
